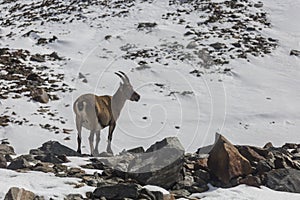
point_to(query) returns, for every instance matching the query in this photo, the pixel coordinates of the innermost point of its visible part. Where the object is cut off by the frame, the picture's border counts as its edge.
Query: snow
(43, 184)
(244, 192)
(257, 103)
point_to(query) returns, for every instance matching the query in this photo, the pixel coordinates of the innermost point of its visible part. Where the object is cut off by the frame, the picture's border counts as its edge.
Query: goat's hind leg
(91, 141)
(78, 127)
(96, 152)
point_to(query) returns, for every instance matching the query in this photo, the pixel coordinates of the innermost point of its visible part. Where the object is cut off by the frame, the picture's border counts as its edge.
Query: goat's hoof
(79, 151)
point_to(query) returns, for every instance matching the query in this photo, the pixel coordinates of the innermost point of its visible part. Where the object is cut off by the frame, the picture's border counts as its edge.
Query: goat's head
(126, 88)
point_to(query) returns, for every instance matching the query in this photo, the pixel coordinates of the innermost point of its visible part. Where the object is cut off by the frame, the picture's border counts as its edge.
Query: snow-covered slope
(250, 101)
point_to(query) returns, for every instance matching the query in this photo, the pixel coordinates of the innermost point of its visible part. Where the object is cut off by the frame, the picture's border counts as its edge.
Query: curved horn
(126, 77)
(122, 77)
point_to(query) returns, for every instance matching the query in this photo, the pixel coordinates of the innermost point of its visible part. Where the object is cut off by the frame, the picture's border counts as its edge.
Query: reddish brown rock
(201, 164)
(225, 161)
(250, 154)
(251, 181)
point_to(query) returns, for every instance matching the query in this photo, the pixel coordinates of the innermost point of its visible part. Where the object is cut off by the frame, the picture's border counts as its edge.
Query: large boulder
(225, 162)
(160, 165)
(15, 193)
(287, 180)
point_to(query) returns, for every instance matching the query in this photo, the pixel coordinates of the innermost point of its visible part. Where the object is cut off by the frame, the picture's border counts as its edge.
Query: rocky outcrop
(164, 164)
(287, 180)
(225, 161)
(15, 193)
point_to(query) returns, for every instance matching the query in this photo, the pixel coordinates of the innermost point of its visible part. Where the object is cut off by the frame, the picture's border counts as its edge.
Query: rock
(160, 165)
(251, 181)
(250, 154)
(136, 150)
(268, 145)
(3, 163)
(181, 193)
(15, 193)
(43, 167)
(51, 158)
(204, 175)
(295, 53)
(258, 5)
(218, 46)
(20, 163)
(264, 166)
(55, 56)
(37, 58)
(287, 180)
(74, 197)
(290, 146)
(201, 164)
(54, 147)
(192, 45)
(225, 161)
(7, 150)
(118, 191)
(39, 95)
(34, 78)
(204, 150)
(146, 25)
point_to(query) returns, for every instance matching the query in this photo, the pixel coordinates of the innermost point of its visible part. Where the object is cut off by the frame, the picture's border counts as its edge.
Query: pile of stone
(165, 164)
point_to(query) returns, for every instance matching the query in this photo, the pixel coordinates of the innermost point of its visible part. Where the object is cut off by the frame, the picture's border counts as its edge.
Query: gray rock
(19, 163)
(118, 191)
(160, 165)
(204, 175)
(295, 53)
(136, 150)
(55, 148)
(7, 150)
(3, 163)
(287, 180)
(15, 193)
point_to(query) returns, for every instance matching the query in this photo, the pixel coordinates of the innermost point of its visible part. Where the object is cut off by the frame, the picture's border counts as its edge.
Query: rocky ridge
(125, 175)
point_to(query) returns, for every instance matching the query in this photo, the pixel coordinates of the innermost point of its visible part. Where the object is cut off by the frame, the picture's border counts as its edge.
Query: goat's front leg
(91, 141)
(96, 152)
(110, 133)
(78, 127)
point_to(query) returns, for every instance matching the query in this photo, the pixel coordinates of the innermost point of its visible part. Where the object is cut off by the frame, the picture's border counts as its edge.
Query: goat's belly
(90, 124)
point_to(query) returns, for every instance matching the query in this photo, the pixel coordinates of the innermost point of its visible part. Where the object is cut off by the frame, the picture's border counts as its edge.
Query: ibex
(97, 112)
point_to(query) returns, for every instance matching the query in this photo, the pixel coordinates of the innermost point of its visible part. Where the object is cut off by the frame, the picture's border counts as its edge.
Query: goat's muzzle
(135, 97)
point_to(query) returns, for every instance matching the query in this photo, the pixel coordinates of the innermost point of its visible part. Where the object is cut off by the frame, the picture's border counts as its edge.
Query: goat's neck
(118, 101)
